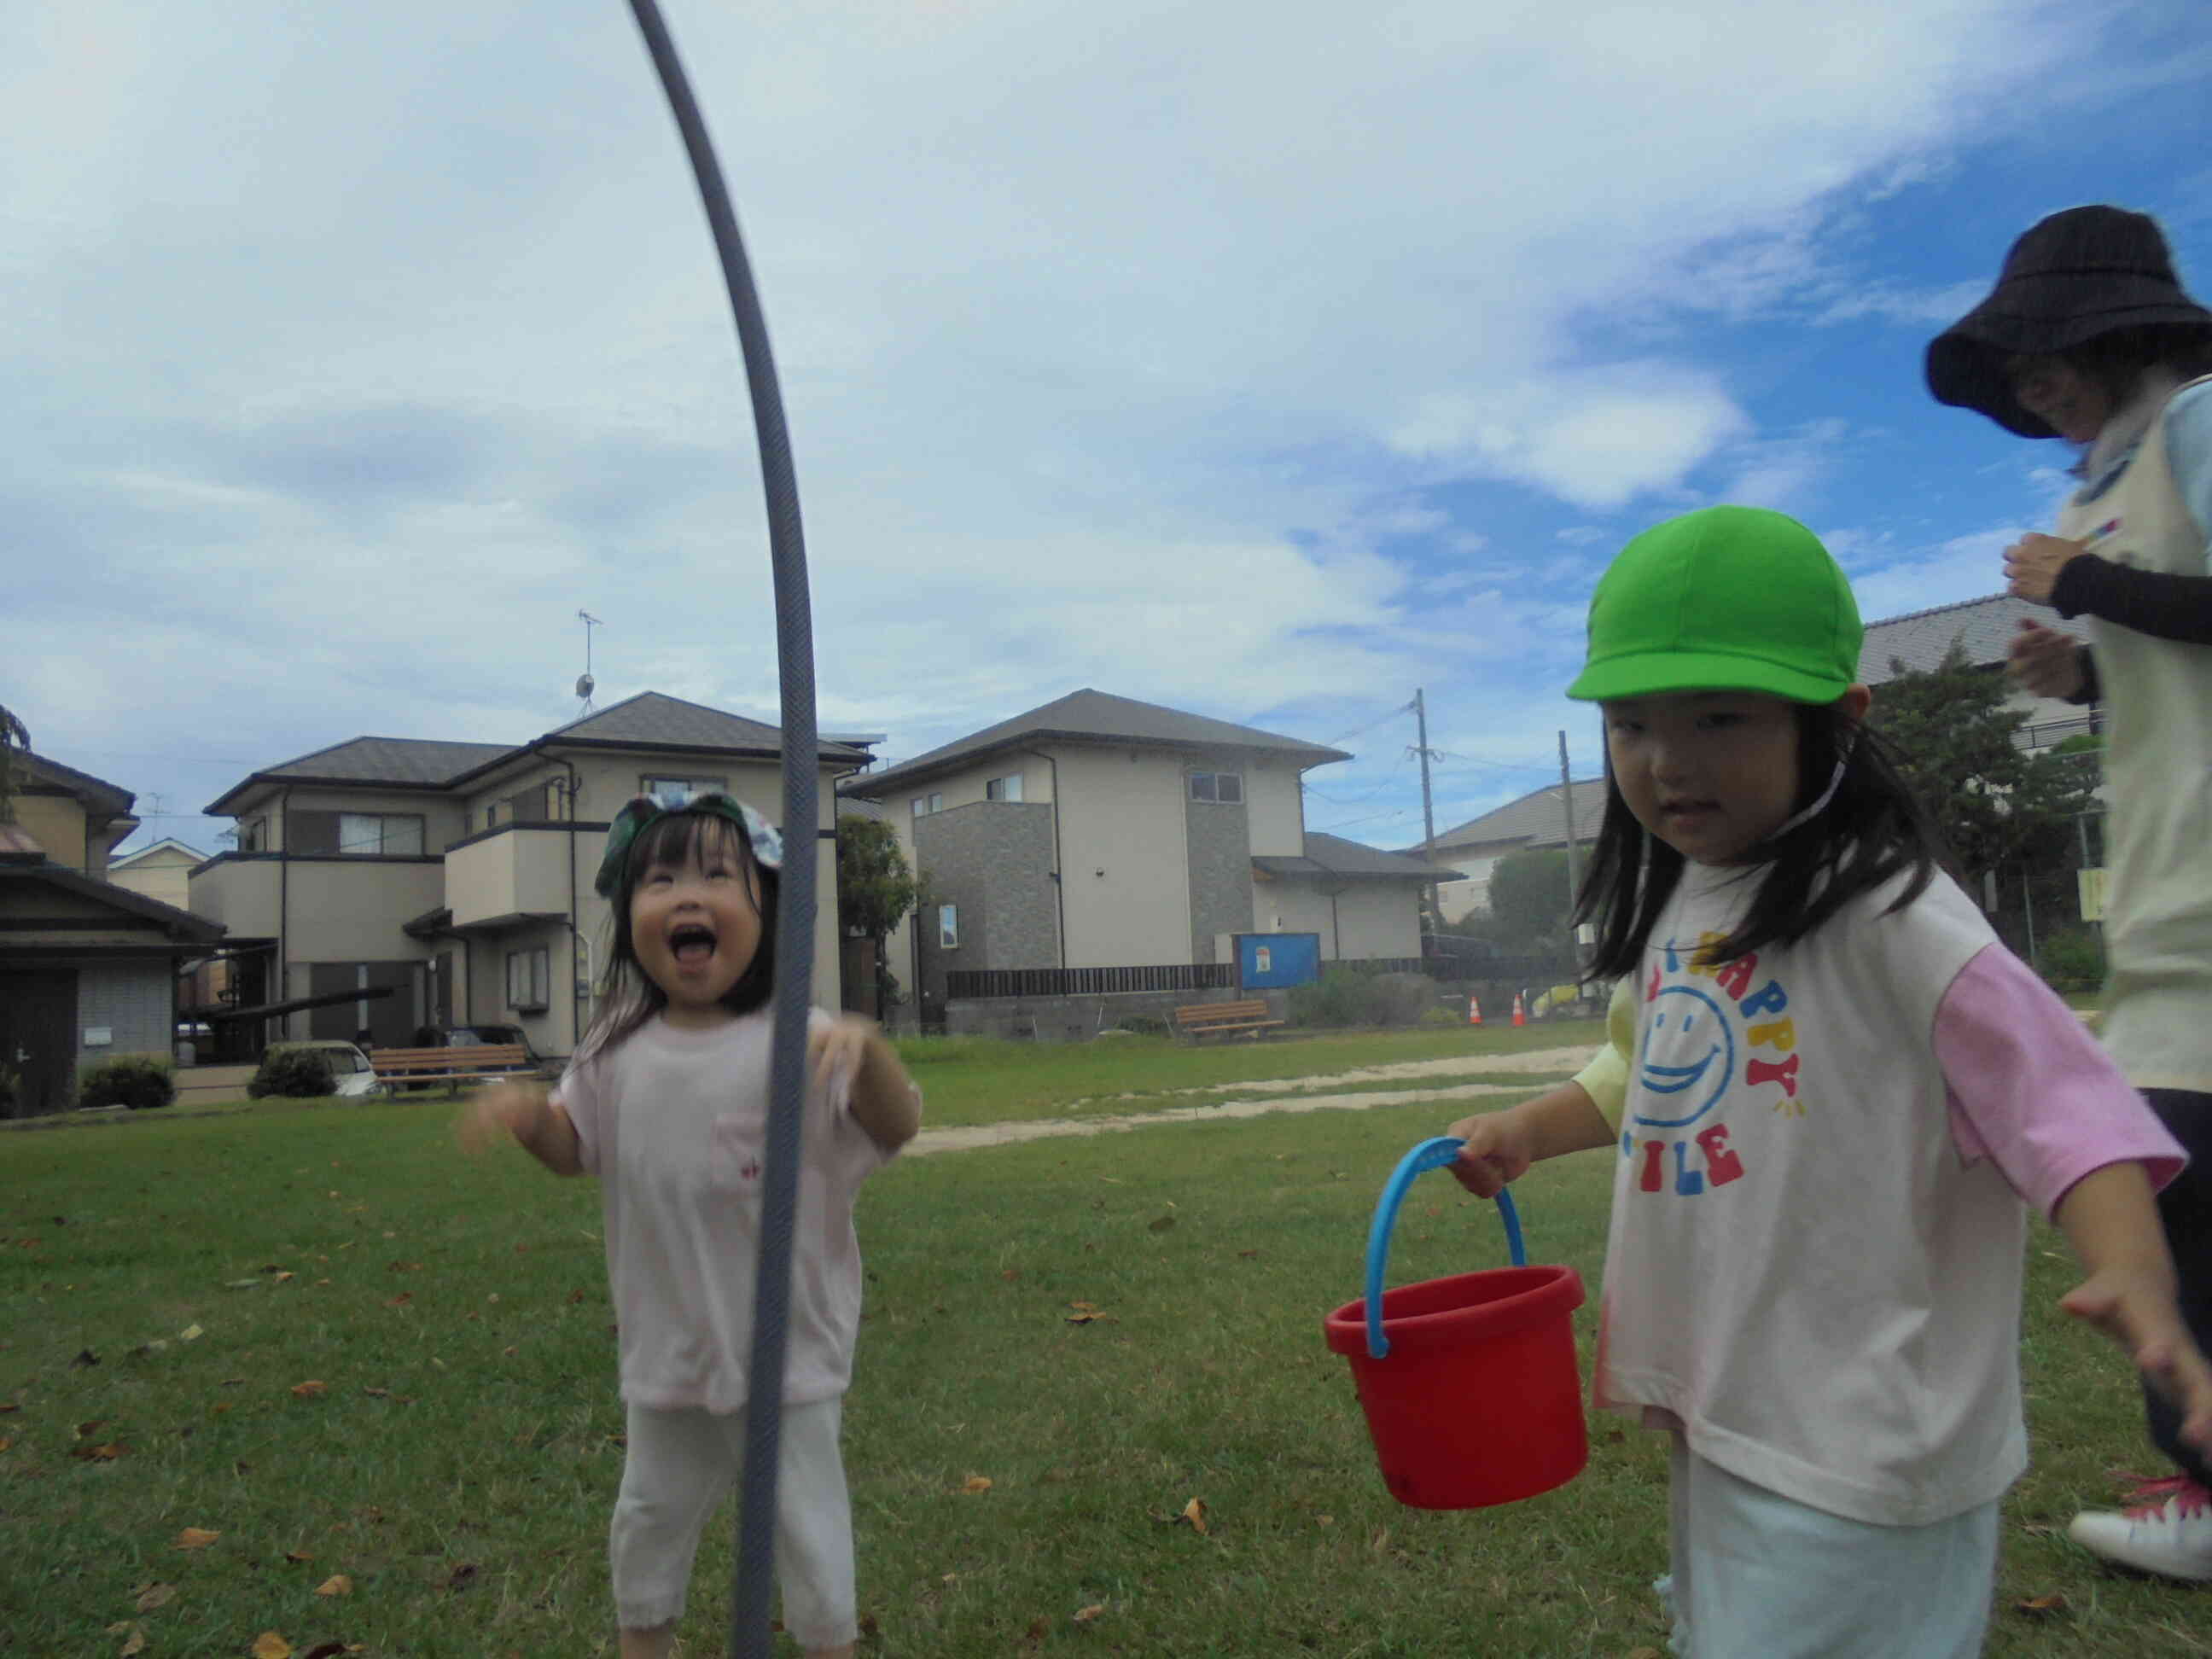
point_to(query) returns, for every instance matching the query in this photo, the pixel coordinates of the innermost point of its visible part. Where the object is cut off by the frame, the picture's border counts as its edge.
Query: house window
(1006, 788)
(1226, 788)
(674, 792)
(253, 835)
(529, 978)
(532, 805)
(356, 835)
(948, 927)
(925, 804)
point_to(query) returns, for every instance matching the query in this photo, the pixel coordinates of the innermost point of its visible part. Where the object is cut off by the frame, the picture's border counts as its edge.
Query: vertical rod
(1567, 806)
(1428, 809)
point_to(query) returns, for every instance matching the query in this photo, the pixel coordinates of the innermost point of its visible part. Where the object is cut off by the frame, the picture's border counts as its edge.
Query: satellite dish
(585, 683)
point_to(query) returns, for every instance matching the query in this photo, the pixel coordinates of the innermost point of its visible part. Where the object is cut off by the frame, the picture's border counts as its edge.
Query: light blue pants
(1759, 1576)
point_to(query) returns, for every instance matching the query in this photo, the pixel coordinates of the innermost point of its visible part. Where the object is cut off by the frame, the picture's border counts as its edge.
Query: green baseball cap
(1726, 598)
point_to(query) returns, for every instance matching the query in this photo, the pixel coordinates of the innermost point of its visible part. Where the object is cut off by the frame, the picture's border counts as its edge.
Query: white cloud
(1161, 348)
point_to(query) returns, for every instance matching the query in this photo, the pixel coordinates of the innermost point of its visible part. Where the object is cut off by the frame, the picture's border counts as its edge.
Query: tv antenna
(585, 683)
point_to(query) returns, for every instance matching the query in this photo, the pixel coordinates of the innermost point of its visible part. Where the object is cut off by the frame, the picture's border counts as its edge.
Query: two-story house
(87, 968)
(1099, 832)
(408, 882)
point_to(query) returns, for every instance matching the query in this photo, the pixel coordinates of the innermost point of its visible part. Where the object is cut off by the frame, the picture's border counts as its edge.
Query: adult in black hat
(2088, 335)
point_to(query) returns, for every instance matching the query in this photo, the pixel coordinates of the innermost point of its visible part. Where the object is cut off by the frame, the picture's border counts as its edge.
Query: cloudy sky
(1264, 360)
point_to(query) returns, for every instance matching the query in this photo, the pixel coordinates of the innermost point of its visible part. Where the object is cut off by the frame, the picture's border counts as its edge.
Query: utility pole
(1567, 805)
(1428, 809)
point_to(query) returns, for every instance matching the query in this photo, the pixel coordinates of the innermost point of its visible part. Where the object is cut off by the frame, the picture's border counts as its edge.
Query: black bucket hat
(2071, 277)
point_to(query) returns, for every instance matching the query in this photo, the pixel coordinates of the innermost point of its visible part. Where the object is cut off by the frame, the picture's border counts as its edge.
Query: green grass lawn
(458, 1462)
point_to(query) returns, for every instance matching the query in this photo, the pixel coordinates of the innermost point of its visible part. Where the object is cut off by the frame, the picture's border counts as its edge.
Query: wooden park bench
(453, 1067)
(1206, 1020)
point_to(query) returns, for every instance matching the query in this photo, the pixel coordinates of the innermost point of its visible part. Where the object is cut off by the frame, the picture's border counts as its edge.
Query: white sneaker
(2173, 1537)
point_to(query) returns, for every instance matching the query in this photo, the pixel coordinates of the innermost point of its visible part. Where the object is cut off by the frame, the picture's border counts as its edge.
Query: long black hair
(1873, 829)
(628, 996)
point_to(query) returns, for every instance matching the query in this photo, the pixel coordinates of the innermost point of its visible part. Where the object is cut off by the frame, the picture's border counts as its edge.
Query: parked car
(351, 1074)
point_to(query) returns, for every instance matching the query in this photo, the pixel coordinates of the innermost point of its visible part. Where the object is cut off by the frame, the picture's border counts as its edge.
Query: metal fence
(964, 983)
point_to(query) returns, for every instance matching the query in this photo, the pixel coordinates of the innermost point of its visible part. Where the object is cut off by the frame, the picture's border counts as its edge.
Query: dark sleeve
(2092, 687)
(2154, 602)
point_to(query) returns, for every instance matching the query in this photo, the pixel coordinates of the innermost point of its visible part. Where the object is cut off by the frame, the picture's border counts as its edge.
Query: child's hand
(1498, 1151)
(504, 1108)
(840, 1048)
(2135, 1307)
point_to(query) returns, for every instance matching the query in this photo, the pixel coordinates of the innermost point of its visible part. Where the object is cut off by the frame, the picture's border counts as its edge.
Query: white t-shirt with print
(674, 1123)
(1802, 1269)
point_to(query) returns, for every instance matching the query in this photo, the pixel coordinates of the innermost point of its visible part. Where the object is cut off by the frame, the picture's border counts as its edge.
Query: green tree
(1997, 805)
(13, 736)
(876, 889)
(1529, 901)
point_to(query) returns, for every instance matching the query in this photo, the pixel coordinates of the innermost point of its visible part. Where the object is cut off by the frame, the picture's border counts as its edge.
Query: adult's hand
(2032, 564)
(2044, 660)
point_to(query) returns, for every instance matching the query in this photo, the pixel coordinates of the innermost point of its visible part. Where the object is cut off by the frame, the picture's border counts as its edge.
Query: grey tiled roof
(1535, 818)
(647, 721)
(1089, 716)
(1985, 626)
(96, 792)
(1333, 855)
(654, 720)
(419, 763)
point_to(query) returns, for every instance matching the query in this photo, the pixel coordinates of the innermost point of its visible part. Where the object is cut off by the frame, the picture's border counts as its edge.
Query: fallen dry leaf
(401, 1300)
(377, 1393)
(2043, 1605)
(5, 1443)
(106, 1454)
(196, 1538)
(1084, 1615)
(337, 1584)
(134, 1643)
(1082, 1318)
(975, 1483)
(310, 1389)
(270, 1645)
(1195, 1512)
(155, 1595)
(7, 1405)
(297, 1555)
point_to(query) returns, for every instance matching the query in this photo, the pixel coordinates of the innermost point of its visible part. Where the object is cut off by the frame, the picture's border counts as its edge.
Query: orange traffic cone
(1519, 1012)
(1473, 1012)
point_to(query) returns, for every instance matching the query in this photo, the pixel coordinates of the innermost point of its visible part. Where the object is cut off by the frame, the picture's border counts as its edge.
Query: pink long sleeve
(2030, 1089)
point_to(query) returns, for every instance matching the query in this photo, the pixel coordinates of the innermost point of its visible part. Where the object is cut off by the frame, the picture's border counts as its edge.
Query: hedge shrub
(294, 1073)
(135, 1081)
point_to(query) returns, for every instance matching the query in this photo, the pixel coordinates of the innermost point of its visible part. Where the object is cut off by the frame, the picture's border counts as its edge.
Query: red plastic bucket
(1479, 1401)
(1469, 1383)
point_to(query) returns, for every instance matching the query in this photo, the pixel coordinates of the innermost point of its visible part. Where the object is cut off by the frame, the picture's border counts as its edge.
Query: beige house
(87, 968)
(162, 870)
(404, 883)
(1097, 832)
(1538, 819)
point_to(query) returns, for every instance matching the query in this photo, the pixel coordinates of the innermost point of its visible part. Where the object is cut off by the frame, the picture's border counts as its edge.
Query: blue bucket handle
(1428, 1155)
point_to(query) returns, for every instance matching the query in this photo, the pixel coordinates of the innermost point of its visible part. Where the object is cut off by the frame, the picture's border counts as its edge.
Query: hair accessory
(2069, 278)
(1726, 598)
(766, 843)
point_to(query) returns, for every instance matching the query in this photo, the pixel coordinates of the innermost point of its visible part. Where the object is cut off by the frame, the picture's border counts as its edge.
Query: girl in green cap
(1829, 1091)
(2088, 335)
(666, 1102)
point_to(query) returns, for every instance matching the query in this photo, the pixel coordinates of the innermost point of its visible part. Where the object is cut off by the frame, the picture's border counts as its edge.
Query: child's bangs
(677, 838)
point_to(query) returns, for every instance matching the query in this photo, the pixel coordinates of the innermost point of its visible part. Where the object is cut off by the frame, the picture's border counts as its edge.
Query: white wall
(1274, 807)
(1122, 813)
